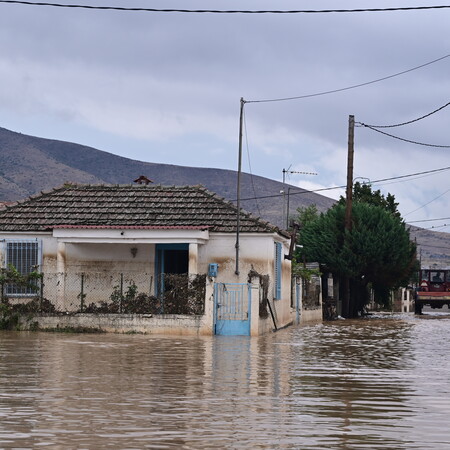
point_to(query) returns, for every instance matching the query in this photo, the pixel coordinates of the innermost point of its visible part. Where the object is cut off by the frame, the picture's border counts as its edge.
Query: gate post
(61, 276)
(254, 305)
(298, 299)
(208, 315)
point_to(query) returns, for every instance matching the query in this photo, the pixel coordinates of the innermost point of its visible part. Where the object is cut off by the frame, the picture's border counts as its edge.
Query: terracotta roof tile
(128, 206)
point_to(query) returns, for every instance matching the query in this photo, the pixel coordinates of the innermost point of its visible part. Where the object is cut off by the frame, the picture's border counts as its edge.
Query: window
(25, 256)
(277, 271)
(436, 277)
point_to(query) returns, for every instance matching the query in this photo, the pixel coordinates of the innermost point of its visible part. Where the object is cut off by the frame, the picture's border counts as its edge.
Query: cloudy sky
(166, 87)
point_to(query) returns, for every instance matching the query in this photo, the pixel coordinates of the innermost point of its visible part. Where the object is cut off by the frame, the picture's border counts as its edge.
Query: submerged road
(377, 383)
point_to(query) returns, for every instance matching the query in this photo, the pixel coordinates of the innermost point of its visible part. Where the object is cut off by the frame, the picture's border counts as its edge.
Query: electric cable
(429, 220)
(333, 91)
(218, 11)
(431, 246)
(426, 204)
(406, 123)
(434, 227)
(403, 139)
(304, 191)
(403, 181)
(249, 163)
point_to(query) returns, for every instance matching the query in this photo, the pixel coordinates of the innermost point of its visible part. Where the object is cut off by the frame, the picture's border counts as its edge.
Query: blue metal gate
(232, 309)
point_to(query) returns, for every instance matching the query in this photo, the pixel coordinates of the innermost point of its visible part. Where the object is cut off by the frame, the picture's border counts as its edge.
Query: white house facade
(96, 245)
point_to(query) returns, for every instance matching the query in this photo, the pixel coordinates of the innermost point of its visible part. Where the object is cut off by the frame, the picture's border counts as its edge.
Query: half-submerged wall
(120, 323)
(307, 304)
(171, 324)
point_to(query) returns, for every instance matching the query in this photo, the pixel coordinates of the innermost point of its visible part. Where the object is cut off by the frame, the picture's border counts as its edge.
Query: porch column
(193, 259)
(60, 274)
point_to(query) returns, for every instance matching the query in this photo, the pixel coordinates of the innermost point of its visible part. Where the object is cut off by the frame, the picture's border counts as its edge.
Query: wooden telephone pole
(348, 205)
(349, 191)
(238, 188)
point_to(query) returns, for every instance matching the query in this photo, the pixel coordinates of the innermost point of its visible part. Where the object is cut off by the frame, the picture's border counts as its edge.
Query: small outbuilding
(148, 258)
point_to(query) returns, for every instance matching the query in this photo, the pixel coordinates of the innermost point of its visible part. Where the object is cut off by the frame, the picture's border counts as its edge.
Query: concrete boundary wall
(120, 323)
(169, 324)
(311, 315)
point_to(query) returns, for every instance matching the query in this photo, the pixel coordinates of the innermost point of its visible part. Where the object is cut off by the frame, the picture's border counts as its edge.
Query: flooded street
(382, 382)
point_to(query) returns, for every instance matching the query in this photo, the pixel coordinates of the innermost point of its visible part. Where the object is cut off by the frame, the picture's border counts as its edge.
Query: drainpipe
(238, 190)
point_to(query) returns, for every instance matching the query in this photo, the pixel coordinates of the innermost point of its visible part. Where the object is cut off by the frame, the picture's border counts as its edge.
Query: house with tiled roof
(96, 245)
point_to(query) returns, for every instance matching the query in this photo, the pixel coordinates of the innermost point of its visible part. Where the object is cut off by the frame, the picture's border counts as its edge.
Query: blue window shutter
(278, 252)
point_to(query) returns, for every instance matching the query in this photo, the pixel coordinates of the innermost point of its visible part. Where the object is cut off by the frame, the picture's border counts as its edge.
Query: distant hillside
(30, 165)
(434, 247)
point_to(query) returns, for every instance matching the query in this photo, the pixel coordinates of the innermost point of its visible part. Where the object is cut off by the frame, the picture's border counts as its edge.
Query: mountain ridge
(33, 164)
(59, 162)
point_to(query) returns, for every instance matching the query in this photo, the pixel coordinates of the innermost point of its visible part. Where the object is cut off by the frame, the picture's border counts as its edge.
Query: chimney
(143, 180)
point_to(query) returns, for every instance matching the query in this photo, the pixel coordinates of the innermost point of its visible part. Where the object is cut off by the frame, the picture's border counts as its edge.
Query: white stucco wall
(257, 252)
(94, 251)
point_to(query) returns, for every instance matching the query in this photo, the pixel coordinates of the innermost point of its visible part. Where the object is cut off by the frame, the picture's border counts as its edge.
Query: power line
(403, 181)
(433, 246)
(429, 220)
(304, 191)
(218, 11)
(421, 229)
(249, 163)
(406, 123)
(403, 139)
(418, 229)
(333, 91)
(443, 169)
(434, 227)
(431, 201)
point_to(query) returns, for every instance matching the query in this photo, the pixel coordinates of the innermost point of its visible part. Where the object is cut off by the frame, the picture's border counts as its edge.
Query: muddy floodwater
(377, 383)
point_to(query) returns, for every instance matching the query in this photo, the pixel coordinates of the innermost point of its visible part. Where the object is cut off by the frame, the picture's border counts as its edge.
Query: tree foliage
(307, 214)
(362, 193)
(10, 275)
(377, 252)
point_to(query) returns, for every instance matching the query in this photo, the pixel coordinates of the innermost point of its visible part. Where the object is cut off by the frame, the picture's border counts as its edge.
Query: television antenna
(289, 171)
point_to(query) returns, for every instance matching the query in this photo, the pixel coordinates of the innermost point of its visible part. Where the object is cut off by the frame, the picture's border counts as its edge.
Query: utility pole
(349, 191)
(238, 189)
(348, 205)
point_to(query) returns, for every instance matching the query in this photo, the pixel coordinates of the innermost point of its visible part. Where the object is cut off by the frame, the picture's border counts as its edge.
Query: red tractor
(433, 290)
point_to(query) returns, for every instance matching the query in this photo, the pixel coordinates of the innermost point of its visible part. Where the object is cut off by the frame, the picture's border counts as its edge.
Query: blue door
(170, 258)
(232, 309)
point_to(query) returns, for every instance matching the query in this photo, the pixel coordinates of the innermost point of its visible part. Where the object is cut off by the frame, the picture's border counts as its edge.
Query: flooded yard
(381, 382)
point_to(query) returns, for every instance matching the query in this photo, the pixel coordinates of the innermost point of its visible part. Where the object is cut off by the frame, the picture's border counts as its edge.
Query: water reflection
(378, 383)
